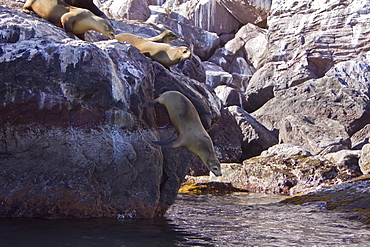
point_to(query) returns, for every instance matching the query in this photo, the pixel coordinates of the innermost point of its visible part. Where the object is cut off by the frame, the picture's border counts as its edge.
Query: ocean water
(238, 219)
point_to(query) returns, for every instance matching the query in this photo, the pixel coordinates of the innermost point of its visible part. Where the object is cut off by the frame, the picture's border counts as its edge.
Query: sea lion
(191, 133)
(72, 19)
(163, 53)
(165, 37)
(86, 4)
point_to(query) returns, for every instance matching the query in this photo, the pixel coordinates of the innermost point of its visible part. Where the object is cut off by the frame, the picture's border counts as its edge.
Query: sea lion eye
(215, 168)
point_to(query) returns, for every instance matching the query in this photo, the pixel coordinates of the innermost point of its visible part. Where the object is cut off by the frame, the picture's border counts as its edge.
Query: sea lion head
(214, 166)
(108, 30)
(168, 36)
(183, 53)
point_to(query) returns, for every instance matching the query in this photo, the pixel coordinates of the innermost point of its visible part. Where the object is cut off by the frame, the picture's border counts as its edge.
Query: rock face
(263, 72)
(74, 140)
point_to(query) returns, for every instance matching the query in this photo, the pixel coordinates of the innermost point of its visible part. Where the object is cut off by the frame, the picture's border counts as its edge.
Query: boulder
(326, 97)
(203, 43)
(286, 150)
(364, 161)
(209, 15)
(127, 9)
(361, 137)
(306, 39)
(216, 76)
(248, 11)
(256, 137)
(313, 133)
(75, 141)
(227, 138)
(229, 96)
(284, 175)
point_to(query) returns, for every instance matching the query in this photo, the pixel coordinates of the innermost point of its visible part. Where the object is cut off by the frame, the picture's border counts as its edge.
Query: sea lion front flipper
(168, 143)
(67, 21)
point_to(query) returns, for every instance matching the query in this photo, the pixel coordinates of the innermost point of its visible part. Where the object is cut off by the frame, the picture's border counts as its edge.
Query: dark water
(227, 220)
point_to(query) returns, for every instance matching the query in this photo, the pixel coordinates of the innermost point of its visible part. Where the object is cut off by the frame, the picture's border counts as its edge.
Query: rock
(306, 39)
(227, 138)
(202, 43)
(209, 15)
(127, 9)
(364, 161)
(361, 137)
(75, 141)
(245, 53)
(280, 174)
(228, 95)
(208, 188)
(326, 97)
(349, 197)
(312, 133)
(256, 137)
(346, 159)
(286, 150)
(216, 76)
(250, 11)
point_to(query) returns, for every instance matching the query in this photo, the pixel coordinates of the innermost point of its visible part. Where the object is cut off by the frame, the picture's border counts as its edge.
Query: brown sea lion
(72, 19)
(86, 4)
(191, 133)
(163, 53)
(165, 37)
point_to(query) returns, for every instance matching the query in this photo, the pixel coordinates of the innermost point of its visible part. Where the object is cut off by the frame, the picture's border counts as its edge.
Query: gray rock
(312, 133)
(364, 161)
(326, 97)
(75, 140)
(286, 150)
(306, 39)
(201, 42)
(127, 9)
(229, 96)
(361, 137)
(256, 137)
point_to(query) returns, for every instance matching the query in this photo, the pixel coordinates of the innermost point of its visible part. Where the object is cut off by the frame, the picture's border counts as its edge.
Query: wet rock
(208, 188)
(256, 137)
(351, 197)
(313, 133)
(364, 161)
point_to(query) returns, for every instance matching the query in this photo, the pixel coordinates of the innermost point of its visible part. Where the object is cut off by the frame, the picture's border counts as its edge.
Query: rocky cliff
(76, 143)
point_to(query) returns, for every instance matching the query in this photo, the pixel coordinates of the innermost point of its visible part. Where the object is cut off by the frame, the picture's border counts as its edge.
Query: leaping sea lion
(191, 133)
(163, 53)
(72, 19)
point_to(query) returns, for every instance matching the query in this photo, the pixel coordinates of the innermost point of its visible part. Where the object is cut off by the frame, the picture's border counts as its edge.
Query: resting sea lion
(72, 19)
(86, 4)
(165, 37)
(192, 134)
(165, 54)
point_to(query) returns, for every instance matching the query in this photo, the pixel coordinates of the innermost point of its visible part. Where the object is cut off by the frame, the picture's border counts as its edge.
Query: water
(227, 220)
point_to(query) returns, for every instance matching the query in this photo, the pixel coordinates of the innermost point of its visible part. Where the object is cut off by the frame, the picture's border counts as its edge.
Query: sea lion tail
(148, 104)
